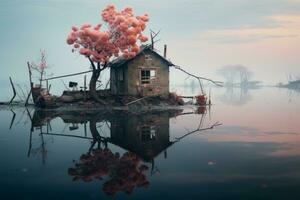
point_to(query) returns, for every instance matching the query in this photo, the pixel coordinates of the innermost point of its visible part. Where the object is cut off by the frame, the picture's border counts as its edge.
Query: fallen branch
(218, 83)
(137, 100)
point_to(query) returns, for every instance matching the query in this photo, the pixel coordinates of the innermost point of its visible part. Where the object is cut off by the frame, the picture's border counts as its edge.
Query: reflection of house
(145, 74)
(145, 135)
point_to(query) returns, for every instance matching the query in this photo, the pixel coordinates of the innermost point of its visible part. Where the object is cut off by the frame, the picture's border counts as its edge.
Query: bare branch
(199, 129)
(154, 33)
(218, 83)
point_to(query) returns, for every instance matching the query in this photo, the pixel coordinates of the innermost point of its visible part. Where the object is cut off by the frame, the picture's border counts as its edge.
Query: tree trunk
(93, 92)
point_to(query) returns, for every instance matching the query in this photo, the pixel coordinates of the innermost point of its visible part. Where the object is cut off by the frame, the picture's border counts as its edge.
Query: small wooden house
(144, 75)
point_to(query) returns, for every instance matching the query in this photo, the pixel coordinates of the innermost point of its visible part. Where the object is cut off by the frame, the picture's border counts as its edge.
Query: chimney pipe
(165, 51)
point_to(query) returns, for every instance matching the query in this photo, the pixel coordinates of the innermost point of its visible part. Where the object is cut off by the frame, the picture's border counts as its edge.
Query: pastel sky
(202, 35)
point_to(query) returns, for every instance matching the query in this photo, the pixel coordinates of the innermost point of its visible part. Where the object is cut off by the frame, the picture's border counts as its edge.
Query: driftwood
(14, 90)
(137, 100)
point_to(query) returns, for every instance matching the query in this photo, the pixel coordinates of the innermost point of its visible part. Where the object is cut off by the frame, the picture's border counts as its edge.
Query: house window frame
(148, 133)
(148, 78)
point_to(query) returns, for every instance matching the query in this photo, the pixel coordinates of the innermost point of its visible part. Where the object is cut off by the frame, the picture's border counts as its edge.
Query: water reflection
(143, 136)
(237, 96)
(93, 155)
(125, 172)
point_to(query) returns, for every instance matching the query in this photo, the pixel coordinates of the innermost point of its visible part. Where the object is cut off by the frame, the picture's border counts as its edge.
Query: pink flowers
(121, 173)
(122, 36)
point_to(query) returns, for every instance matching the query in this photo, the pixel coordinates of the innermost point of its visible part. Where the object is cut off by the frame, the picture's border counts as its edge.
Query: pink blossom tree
(121, 37)
(40, 66)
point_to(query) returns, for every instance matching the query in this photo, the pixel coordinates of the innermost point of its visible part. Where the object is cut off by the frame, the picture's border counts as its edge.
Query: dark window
(148, 133)
(147, 75)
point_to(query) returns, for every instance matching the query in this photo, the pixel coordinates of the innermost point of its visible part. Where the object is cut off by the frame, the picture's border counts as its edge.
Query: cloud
(287, 26)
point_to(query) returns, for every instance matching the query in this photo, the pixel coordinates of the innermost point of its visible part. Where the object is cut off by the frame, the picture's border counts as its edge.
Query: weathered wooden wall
(131, 84)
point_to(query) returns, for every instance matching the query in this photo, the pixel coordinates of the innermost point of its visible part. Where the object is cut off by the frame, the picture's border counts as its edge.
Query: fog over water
(254, 153)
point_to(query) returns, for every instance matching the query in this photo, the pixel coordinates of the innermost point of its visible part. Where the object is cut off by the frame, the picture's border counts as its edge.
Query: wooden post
(84, 88)
(30, 75)
(31, 83)
(14, 90)
(165, 51)
(27, 100)
(47, 87)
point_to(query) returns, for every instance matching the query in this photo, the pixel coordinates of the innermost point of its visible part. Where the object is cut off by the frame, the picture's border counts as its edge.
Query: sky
(202, 35)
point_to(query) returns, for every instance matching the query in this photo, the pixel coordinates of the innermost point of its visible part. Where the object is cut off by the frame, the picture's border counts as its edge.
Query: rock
(67, 98)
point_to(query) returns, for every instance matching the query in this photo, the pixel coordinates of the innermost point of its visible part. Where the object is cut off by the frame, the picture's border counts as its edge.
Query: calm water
(254, 154)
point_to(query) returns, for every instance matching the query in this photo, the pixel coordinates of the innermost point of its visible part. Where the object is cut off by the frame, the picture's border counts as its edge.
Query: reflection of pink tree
(125, 172)
(121, 37)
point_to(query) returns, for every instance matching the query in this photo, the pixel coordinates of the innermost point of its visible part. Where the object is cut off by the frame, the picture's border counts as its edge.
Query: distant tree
(235, 74)
(119, 39)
